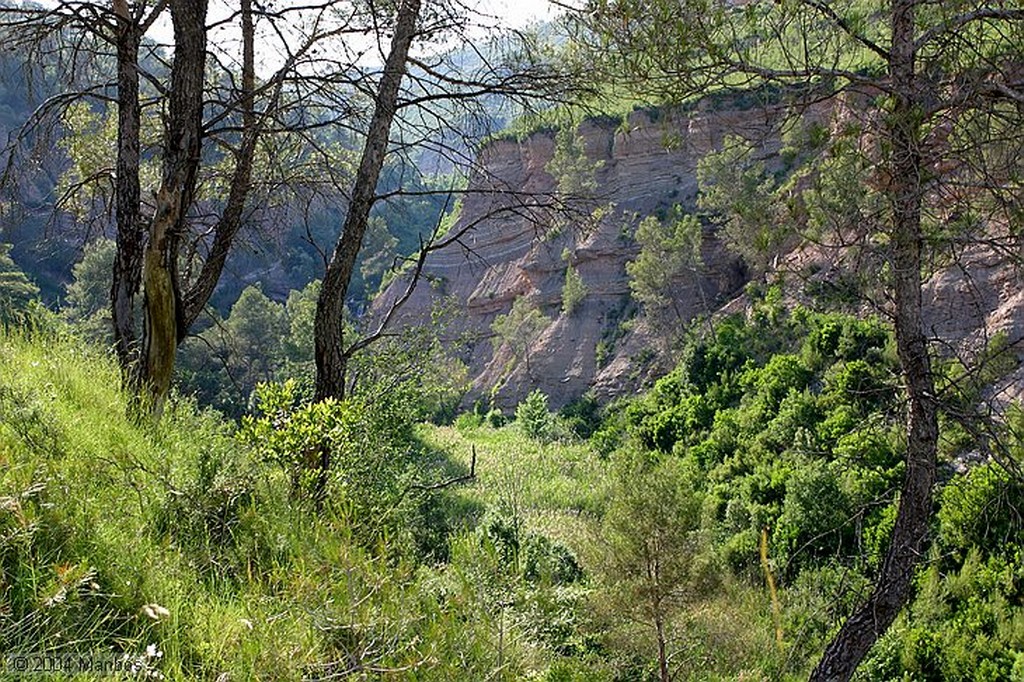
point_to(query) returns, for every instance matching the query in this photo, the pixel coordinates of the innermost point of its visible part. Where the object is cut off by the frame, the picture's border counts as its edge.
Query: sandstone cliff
(642, 167)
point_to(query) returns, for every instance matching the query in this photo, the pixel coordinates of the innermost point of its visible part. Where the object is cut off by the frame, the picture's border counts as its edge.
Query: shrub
(573, 291)
(213, 516)
(354, 454)
(17, 292)
(774, 381)
(533, 416)
(815, 516)
(858, 383)
(495, 418)
(983, 510)
(467, 421)
(582, 417)
(546, 560)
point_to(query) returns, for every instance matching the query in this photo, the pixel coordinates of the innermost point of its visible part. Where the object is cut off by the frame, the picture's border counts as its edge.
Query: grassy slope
(100, 517)
(562, 490)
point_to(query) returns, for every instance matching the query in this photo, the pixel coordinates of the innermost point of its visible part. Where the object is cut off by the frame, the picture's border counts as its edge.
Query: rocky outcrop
(515, 244)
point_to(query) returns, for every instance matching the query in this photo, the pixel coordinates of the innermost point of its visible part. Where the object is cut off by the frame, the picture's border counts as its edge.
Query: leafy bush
(573, 291)
(773, 382)
(533, 416)
(815, 520)
(18, 293)
(983, 510)
(467, 421)
(549, 561)
(859, 384)
(354, 454)
(581, 417)
(213, 516)
(495, 418)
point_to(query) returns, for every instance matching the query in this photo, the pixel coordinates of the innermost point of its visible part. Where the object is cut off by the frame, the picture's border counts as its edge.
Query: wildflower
(155, 612)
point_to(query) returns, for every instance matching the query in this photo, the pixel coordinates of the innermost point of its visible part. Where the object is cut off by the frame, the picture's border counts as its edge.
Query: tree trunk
(331, 358)
(659, 626)
(131, 235)
(182, 138)
(241, 183)
(909, 540)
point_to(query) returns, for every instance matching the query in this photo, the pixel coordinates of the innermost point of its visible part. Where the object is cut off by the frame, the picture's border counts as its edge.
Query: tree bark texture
(182, 143)
(127, 274)
(331, 358)
(910, 535)
(241, 183)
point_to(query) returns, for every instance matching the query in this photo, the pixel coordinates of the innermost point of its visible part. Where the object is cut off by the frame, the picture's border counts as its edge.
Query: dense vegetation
(758, 477)
(802, 480)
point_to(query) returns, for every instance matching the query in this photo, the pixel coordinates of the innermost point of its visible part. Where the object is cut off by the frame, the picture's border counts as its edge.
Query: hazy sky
(493, 15)
(520, 12)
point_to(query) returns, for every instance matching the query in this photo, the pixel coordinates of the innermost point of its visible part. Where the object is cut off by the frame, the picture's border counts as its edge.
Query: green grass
(84, 486)
(101, 516)
(105, 521)
(560, 489)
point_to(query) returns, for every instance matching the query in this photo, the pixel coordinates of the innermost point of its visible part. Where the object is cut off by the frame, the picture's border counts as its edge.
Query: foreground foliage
(565, 547)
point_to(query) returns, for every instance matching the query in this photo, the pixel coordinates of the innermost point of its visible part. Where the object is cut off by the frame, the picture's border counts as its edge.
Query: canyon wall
(513, 245)
(516, 245)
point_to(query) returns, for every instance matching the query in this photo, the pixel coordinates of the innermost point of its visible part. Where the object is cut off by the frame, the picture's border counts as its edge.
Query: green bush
(984, 509)
(573, 291)
(816, 519)
(467, 421)
(773, 382)
(860, 384)
(495, 418)
(18, 294)
(214, 516)
(582, 417)
(549, 561)
(355, 455)
(533, 417)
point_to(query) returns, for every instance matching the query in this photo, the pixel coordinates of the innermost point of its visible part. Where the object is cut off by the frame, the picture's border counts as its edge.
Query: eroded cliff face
(511, 248)
(514, 246)
(972, 302)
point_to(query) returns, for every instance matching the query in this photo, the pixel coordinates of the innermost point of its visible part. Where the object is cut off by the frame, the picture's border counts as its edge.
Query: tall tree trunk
(910, 535)
(131, 235)
(241, 183)
(331, 357)
(182, 142)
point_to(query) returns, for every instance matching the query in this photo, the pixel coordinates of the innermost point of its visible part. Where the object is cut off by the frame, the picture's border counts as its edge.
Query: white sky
(518, 13)
(493, 16)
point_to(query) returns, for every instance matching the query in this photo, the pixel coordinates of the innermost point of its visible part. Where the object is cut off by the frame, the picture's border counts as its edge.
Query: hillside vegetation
(778, 309)
(727, 519)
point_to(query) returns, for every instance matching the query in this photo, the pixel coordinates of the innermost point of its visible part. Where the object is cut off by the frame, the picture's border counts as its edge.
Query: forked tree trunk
(331, 358)
(151, 258)
(182, 143)
(909, 540)
(241, 183)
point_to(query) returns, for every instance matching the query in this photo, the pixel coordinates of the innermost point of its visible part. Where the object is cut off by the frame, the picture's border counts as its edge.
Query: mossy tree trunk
(182, 146)
(148, 249)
